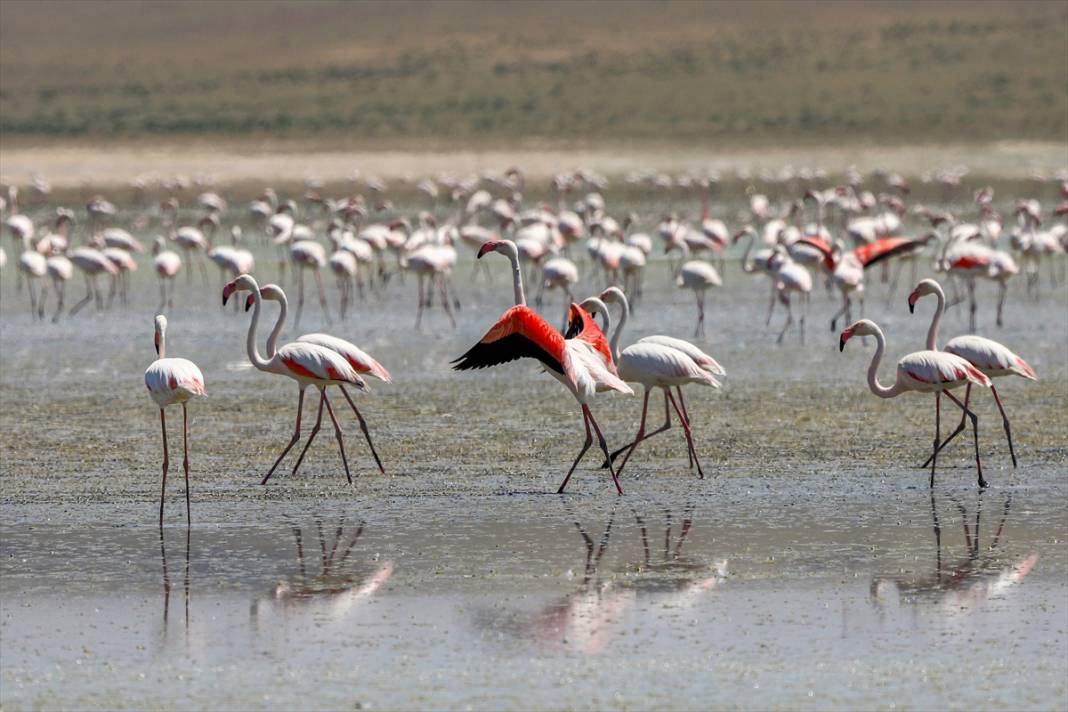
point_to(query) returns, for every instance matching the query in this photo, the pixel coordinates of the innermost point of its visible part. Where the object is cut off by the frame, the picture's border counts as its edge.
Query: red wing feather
(583, 327)
(883, 249)
(820, 244)
(519, 333)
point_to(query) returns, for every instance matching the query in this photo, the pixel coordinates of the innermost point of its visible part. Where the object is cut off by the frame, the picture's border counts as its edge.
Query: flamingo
(697, 276)
(654, 365)
(167, 264)
(307, 364)
(757, 263)
(580, 359)
(360, 360)
(308, 254)
(92, 263)
(922, 372)
(170, 381)
(987, 355)
(124, 263)
(60, 270)
(790, 277)
(34, 266)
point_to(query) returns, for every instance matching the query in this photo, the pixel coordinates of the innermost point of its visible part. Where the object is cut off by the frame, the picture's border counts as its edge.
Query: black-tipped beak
(912, 307)
(248, 305)
(841, 343)
(157, 349)
(226, 298)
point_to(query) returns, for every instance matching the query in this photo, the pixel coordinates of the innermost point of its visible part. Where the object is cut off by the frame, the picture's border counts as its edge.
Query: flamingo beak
(912, 303)
(227, 291)
(250, 301)
(488, 246)
(156, 339)
(846, 335)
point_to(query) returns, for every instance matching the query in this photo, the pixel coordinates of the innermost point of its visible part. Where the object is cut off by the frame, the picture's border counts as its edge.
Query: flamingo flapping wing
(520, 333)
(582, 326)
(885, 248)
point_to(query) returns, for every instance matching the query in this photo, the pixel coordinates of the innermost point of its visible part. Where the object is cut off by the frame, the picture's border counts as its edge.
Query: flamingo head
(594, 306)
(489, 246)
(612, 295)
(268, 291)
(243, 283)
(864, 327)
(161, 327)
(923, 288)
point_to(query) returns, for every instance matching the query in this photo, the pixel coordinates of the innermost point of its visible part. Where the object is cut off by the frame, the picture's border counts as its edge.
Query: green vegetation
(465, 72)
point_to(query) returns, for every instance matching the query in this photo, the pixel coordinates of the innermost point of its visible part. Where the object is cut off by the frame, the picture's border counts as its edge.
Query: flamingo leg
(639, 436)
(685, 414)
(689, 434)
(789, 316)
(804, 312)
(445, 299)
(419, 311)
(60, 291)
(662, 428)
(975, 433)
(363, 427)
(88, 297)
(971, 304)
(585, 447)
(1005, 422)
(162, 295)
(338, 435)
(960, 426)
(322, 295)
(200, 259)
(844, 310)
(604, 447)
(300, 295)
(934, 452)
(314, 432)
(700, 330)
(1002, 290)
(771, 305)
(33, 299)
(166, 463)
(293, 441)
(170, 299)
(185, 461)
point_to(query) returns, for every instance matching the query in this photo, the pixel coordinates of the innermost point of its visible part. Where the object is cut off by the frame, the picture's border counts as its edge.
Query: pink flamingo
(167, 264)
(580, 359)
(654, 364)
(360, 360)
(987, 355)
(923, 372)
(170, 381)
(307, 364)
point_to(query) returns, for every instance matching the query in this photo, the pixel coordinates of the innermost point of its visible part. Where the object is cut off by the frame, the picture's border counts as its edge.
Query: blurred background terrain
(461, 73)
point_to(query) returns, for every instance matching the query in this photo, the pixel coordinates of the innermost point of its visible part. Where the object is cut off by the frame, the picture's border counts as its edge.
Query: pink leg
(689, 435)
(1005, 422)
(166, 462)
(975, 433)
(641, 433)
(662, 428)
(363, 427)
(337, 434)
(314, 432)
(322, 295)
(685, 414)
(960, 426)
(938, 417)
(604, 447)
(185, 461)
(293, 441)
(585, 447)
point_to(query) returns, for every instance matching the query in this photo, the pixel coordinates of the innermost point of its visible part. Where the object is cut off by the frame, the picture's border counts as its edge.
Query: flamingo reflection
(340, 586)
(962, 585)
(588, 619)
(167, 582)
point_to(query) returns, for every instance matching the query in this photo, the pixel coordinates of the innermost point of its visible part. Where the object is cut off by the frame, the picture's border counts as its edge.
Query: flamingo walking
(922, 372)
(167, 264)
(987, 355)
(172, 381)
(92, 263)
(654, 365)
(580, 359)
(360, 360)
(307, 364)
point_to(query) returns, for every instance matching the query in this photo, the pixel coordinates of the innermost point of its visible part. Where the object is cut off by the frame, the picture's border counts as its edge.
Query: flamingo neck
(936, 320)
(250, 342)
(618, 333)
(512, 252)
(163, 344)
(272, 339)
(873, 370)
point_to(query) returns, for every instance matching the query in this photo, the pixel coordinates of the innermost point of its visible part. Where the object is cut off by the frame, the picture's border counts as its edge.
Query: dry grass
(466, 72)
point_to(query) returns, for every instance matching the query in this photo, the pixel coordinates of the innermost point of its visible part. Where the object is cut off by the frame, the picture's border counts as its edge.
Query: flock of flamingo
(839, 233)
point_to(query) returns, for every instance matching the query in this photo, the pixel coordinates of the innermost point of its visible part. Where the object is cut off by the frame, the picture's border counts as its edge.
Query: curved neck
(623, 314)
(163, 344)
(936, 320)
(873, 370)
(250, 342)
(272, 340)
(512, 253)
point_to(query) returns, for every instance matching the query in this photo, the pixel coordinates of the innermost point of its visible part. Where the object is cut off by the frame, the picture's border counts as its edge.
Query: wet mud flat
(811, 568)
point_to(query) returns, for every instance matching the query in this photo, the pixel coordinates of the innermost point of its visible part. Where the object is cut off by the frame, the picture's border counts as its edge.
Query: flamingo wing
(519, 333)
(988, 355)
(884, 248)
(822, 246)
(581, 326)
(357, 357)
(939, 367)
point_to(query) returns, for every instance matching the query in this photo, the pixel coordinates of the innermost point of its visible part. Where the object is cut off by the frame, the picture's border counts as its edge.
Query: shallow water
(802, 572)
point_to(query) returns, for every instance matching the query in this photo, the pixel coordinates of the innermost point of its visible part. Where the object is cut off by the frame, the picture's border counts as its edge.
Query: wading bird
(987, 355)
(923, 372)
(170, 381)
(580, 359)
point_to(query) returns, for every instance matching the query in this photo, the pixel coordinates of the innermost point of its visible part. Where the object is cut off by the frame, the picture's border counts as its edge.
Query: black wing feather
(509, 348)
(903, 247)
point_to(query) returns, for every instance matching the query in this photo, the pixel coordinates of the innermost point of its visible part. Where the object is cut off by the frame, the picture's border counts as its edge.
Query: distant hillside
(463, 72)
